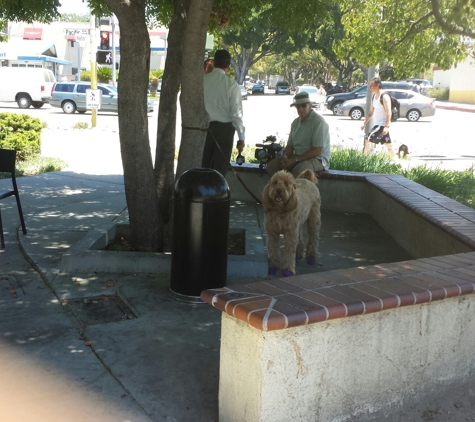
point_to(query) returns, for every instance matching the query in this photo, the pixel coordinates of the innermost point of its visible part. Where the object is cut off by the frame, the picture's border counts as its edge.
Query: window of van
(82, 88)
(64, 87)
(105, 91)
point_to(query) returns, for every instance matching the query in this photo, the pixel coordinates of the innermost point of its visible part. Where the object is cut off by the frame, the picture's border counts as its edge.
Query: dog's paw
(288, 273)
(311, 260)
(272, 270)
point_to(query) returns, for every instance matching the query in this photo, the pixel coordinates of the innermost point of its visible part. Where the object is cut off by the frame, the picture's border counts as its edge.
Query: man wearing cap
(308, 146)
(223, 103)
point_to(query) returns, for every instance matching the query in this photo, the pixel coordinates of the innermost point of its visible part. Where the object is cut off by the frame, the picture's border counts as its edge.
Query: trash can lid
(202, 185)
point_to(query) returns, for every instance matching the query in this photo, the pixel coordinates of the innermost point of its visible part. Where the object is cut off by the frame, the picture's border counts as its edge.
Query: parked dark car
(334, 89)
(282, 87)
(258, 89)
(334, 101)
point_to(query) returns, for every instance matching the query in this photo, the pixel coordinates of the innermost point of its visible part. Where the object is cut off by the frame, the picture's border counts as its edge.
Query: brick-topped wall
(310, 298)
(334, 345)
(421, 220)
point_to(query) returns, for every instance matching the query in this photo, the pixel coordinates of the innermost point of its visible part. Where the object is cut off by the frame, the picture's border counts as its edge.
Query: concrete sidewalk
(446, 105)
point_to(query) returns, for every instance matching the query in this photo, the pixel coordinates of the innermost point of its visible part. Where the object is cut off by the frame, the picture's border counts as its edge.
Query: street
(438, 140)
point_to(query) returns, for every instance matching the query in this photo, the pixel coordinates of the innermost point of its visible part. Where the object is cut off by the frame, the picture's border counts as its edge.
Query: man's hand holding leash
(240, 145)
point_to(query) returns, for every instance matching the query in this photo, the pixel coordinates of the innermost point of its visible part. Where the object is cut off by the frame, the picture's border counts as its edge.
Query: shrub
(440, 94)
(86, 75)
(81, 125)
(156, 73)
(457, 185)
(21, 133)
(37, 165)
(104, 74)
(354, 160)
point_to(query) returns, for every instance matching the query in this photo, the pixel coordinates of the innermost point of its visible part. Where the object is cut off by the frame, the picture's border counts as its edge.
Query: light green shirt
(312, 133)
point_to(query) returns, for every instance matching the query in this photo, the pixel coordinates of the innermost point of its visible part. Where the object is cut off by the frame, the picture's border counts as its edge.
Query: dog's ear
(291, 204)
(266, 202)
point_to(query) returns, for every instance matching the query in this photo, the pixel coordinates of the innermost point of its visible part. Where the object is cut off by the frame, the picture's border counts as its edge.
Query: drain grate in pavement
(10, 290)
(100, 309)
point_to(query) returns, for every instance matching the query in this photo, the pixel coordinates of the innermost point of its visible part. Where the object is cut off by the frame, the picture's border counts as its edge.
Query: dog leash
(258, 201)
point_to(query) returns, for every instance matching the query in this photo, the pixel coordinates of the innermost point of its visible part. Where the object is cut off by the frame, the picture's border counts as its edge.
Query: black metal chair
(7, 165)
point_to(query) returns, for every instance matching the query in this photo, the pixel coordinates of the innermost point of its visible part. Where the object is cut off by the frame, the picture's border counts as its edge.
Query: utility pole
(79, 59)
(114, 60)
(373, 71)
(93, 64)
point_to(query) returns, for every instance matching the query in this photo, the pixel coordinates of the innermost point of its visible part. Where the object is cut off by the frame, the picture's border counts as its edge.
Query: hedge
(21, 133)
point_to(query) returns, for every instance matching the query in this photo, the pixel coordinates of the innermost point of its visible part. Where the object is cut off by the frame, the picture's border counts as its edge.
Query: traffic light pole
(372, 72)
(114, 76)
(93, 64)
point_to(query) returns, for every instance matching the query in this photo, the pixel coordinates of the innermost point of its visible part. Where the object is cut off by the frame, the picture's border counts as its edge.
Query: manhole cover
(100, 309)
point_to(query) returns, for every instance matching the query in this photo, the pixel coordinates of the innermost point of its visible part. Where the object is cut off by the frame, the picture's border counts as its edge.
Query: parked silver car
(413, 106)
(243, 92)
(71, 97)
(316, 99)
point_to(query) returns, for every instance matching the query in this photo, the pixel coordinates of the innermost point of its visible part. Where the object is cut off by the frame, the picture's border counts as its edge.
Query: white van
(26, 86)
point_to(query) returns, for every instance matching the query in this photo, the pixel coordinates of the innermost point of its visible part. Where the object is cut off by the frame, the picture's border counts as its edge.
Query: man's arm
(288, 151)
(290, 162)
(236, 114)
(310, 154)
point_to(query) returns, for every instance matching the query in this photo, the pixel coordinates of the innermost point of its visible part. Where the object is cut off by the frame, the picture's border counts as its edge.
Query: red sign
(33, 34)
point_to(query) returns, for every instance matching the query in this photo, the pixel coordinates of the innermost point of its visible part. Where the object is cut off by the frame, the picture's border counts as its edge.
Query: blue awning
(46, 59)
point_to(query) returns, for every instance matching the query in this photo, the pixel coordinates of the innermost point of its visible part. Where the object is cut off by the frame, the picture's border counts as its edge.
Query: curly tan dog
(288, 204)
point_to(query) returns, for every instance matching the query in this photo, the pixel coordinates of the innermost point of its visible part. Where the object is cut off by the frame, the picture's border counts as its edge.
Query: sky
(73, 6)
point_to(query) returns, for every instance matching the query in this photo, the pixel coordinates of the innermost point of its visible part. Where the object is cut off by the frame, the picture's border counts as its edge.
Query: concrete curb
(86, 256)
(467, 109)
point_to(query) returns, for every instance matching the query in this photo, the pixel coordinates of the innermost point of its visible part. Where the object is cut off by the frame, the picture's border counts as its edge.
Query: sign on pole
(104, 57)
(93, 99)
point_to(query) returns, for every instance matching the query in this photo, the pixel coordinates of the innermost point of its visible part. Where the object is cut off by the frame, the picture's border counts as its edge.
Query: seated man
(308, 146)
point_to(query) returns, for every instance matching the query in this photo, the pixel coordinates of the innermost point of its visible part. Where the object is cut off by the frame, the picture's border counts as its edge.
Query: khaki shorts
(275, 165)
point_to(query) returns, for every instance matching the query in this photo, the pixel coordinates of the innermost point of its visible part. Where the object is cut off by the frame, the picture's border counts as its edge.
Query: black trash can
(200, 234)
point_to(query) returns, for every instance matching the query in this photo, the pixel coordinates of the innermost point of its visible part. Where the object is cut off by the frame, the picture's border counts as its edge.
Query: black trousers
(214, 157)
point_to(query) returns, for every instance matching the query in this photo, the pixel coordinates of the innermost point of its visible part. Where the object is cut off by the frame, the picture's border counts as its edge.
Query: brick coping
(311, 298)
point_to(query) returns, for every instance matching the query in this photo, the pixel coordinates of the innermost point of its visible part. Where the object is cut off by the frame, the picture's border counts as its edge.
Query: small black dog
(404, 150)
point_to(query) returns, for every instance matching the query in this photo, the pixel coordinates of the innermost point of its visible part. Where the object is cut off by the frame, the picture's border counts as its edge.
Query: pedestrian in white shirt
(223, 103)
(380, 110)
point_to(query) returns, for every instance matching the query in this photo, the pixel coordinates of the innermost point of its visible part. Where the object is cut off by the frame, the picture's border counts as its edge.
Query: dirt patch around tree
(236, 243)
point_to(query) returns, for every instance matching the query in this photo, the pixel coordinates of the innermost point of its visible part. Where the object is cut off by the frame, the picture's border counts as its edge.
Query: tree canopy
(411, 36)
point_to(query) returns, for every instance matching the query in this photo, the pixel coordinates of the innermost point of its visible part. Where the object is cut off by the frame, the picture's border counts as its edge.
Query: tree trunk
(140, 192)
(195, 119)
(166, 133)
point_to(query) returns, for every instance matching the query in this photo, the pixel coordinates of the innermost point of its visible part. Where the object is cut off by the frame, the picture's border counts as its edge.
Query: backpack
(394, 106)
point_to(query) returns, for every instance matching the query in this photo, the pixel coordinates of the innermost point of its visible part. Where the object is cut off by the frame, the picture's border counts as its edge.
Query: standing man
(322, 96)
(381, 108)
(224, 105)
(308, 146)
